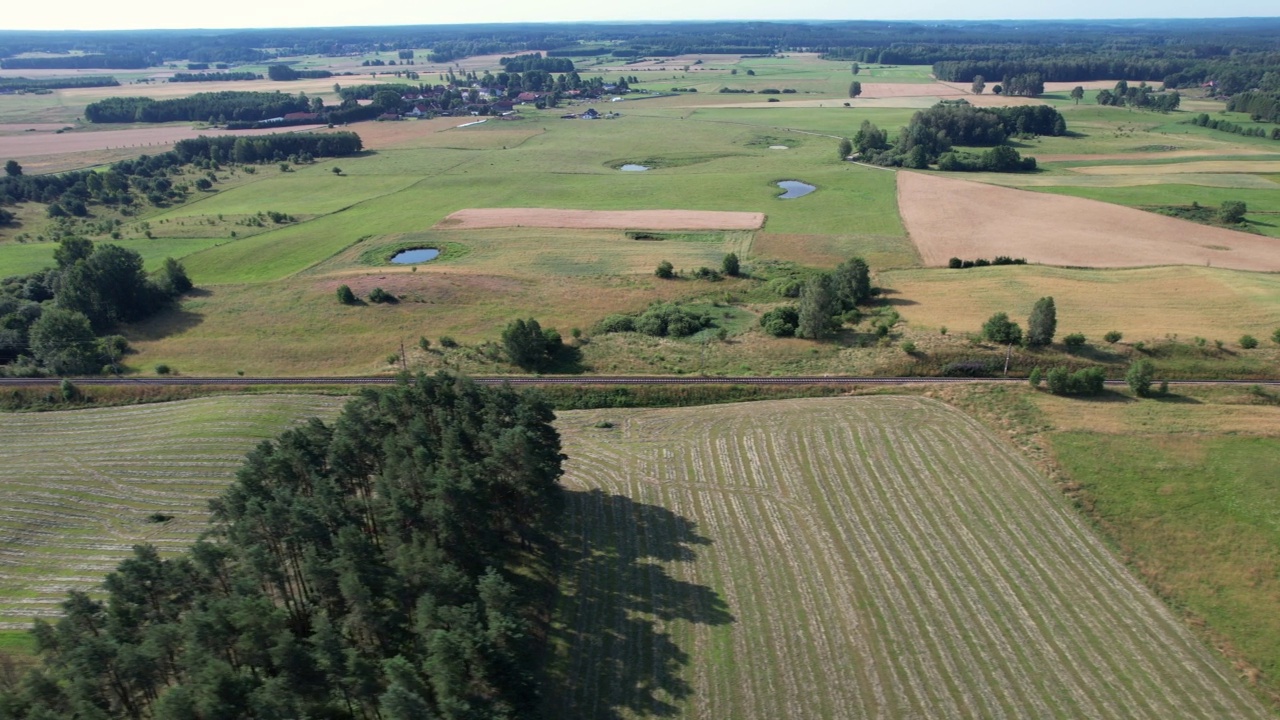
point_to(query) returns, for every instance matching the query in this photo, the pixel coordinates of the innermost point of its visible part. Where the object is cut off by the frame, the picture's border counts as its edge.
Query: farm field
(858, 557)
(762, 559)
(946, 219)
(82, 487)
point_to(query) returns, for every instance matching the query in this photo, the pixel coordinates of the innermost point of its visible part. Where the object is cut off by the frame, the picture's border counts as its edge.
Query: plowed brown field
(955, 218)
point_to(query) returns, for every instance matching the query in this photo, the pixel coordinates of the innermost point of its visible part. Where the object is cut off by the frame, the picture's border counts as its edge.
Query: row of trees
(20, 84)
(229, 104)
(1203, 120)
(375, 567)
(213, 77)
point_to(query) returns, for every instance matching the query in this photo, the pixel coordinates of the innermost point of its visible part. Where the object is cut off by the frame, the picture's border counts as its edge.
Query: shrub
(69, 390)
(1113, 337)
(670, 320)
(163, 369)
(1248, 342)
(1139, 377)
(448, 342)
(909, 347)
(1074, 341)
(1062, 381)
(706, 273)
(616, 323)
(1035, 378)
(790, 288)
(781, 321)
(1275, 336)
(955, 263)
(730, 265)
(967, 368)
(378, 295)
(424, 343)
(345, 296)
(665, 270)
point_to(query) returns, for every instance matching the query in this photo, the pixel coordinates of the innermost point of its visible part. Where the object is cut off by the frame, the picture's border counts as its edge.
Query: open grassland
(1263, 200)
(1144, 304)
(1182, 486)
(859, 557)
(82, 487)
(954, 218)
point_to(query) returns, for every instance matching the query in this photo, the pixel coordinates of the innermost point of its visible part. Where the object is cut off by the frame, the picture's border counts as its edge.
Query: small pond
(632, 167)
(794, 189)
(413, 257)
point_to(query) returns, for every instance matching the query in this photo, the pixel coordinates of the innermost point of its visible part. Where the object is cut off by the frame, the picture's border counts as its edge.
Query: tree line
(130, 61)
(213, 77)
(282, 72)
(1205, 121)
(229, 104)
(376, 567)
(21, 84)
(1261, 106)
(535, 61)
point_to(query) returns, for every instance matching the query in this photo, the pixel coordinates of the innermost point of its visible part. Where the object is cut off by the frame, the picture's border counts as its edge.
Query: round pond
(632, 167)
(415, 256)
(794, 189)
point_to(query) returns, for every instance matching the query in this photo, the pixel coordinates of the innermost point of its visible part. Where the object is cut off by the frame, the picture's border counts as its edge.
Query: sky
(135, 14)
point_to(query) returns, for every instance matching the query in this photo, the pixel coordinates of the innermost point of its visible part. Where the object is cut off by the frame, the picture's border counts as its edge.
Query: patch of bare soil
(601, 219)
(956, 218)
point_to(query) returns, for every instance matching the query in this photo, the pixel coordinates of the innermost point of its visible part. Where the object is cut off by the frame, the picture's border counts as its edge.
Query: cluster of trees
(1261, 106)
(535, 61)
(20, 84)
(659, 320)
(827, 300)
(1229, 213)
(375, 567)
(226, 105)
(213, 77)
(932, 133)
(1023, 84)
(1143, 96)
(1042, 325)
(285, 73)
(57, 320)
(1203, 120)
(530, 346)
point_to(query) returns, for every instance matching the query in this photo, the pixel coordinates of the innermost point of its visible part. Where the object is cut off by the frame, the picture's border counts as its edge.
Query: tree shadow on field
(616, 660)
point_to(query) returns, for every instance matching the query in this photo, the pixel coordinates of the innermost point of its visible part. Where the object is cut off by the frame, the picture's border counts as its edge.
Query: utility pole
(1007, 355)
(404, 362)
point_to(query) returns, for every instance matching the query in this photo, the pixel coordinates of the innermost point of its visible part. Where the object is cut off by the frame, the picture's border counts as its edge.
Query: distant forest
(1234, 55)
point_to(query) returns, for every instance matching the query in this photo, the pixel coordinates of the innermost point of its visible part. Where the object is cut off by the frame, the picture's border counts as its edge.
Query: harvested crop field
(143, 140)
(1201, 166)
(81, 486)
(852, 557)
(955, 218)
(475, 218)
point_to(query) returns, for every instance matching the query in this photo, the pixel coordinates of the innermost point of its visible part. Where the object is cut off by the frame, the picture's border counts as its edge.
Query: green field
(863, 557)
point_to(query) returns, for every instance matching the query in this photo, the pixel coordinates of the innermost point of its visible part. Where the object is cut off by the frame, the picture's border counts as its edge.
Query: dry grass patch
(474, 218)
(955, 218)
(1144, 304)
(1202, 166)
(140, 140)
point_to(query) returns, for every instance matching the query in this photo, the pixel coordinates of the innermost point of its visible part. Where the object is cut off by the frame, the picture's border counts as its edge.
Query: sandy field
(159, 139)
(955, 218)
(474, 218)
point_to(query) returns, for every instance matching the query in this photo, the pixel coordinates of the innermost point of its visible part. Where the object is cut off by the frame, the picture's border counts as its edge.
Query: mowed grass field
(81, 486)
(850, 557)
(854, 557)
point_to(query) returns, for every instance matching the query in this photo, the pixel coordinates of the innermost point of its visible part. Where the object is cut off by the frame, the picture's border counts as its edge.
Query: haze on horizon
(154, 14)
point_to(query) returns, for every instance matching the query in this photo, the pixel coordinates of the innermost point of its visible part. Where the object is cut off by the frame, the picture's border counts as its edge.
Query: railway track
(563, 380)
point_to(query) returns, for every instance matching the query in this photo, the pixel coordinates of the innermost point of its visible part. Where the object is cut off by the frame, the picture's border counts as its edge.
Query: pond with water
(415, 256)
(632, 167)
(794, 189)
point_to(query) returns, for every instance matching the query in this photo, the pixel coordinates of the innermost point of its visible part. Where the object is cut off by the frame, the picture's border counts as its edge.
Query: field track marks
(870, 557)
(80, 486)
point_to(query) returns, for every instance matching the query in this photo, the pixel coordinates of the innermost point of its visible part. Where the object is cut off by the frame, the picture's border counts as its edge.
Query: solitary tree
(1077, 93)
(1232, 212)
(818, 305)
(527, 345)
(665, 270)
(845, 149)
(851, 283)
(855, 68)
(979, 84)
(12, 168)
(1000, 329)
(855, 89)
(730, 265)
(1043, 323)
(345, 296)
